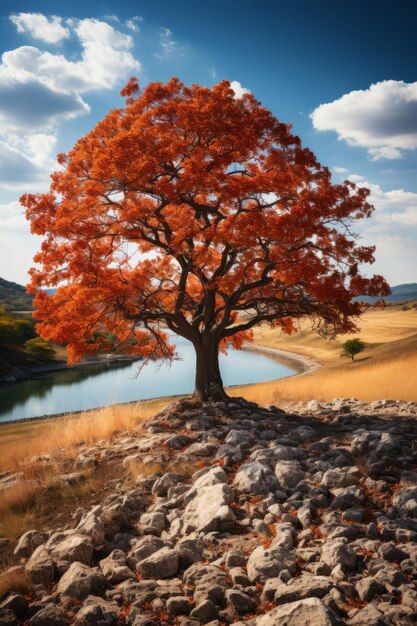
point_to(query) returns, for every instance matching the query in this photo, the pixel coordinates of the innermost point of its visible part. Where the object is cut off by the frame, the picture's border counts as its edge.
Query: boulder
(29, 542)
(338, 552)
(255, 478)
(161, 564)
(97, 612)
(289, 473)
(79, 581)
(209, 510)
(115, 567)
(311, 611)
(268, 563)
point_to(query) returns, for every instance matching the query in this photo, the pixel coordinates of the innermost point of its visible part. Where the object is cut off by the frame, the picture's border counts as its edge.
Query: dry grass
(387, 368)
(16, 580)
(21, 442)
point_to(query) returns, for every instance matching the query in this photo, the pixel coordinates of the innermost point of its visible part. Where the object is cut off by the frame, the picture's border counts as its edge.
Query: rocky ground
(265, 517)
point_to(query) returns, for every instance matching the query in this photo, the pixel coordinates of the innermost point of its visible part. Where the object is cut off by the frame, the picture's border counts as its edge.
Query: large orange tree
(193, 211)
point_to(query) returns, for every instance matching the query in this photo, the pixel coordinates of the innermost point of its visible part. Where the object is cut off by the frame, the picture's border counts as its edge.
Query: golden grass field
(386, 369)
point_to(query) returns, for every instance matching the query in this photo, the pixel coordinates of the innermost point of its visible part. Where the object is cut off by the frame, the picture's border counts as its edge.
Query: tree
(40, 349)
(194, 211)
(352, 347)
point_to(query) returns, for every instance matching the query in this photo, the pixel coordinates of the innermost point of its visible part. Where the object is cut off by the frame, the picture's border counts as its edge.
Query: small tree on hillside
(198, 212)
(352, 347)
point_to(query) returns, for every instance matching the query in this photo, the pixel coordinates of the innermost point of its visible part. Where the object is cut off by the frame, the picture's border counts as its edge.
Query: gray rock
(8, 618)
(306, 586)
(338, 552)
(142, 548)
(29, 542)
(311, 611)
(255, 478)
(161, 564)
(240, 601)
(289, 473)
(115, 567)
(50, 615)
(92, 525)
(368, 588)
(406, 502)
(152, 523)
(209, 510)
(97, 612)
(370, 616)
(179, 605)
(268, 563)
(205, 612)
(79, 581)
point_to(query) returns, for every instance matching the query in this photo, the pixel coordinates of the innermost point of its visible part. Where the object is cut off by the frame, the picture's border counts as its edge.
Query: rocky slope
(266, 517)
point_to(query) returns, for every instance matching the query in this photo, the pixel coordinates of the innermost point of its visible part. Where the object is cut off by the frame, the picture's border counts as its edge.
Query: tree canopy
(352, 347)
(194, 211)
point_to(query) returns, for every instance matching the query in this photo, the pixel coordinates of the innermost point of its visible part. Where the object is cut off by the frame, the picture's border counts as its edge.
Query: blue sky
(343, 73)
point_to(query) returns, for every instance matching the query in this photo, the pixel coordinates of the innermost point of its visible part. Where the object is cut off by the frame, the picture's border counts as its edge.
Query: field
(386, 369)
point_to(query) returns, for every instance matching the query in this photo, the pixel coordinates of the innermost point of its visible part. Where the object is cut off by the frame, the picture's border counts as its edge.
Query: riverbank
(28, 371)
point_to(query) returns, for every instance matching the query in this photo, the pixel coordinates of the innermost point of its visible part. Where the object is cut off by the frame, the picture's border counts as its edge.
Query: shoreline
(299, 362)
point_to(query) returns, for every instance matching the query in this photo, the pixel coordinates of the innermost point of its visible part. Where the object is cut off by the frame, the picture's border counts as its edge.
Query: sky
(342, 73)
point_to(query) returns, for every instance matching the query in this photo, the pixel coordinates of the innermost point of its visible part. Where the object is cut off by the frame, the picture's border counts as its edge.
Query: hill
(14, 296)
(399, 293)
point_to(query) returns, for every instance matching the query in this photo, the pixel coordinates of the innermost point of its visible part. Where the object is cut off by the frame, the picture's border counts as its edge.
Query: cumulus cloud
(382, 119)
(340, 170)
(169, 48)
(26, 159)
(395, 206)
(49, 29)
(238, 89)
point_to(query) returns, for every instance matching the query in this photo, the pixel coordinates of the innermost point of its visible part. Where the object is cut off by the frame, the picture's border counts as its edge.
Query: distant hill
(14, 296)
(399, 293)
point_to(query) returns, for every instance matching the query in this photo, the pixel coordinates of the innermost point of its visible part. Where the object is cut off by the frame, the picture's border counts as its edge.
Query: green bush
(40, 349)
(352, 347)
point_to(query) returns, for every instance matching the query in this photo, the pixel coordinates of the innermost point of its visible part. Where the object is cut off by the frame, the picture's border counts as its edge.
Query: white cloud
(238, 89)
(340, 170)
(396, 206)
(39, 90)
(48, 29)
(382, 119)
(169, 48)
(26, 160)
(132, 23)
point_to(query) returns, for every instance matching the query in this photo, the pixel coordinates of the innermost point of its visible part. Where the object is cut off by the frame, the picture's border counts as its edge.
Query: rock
(289, 473)
(205, 612)
(152, 523)
(311, 612)
(50, 615)
(338, 552)
(142, 548)
(79, 581)
(179, 605)
(406, 502)
(29, 542)
(161, 564)
(369, 616)
(305, 586)
(268, 563)
(240, 601)
(97, 612)
(8, 618)
(368, 588)
(16, 603)
(255, 478)
(209, 510)
(163, 484)
(115, 567)
(92, 525)
(339, 478)
(178, 441)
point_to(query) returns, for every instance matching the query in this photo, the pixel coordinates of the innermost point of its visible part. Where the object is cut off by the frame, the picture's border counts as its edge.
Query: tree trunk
(208, 380)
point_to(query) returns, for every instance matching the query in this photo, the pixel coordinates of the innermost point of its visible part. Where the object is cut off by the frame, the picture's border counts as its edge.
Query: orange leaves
(192, 209)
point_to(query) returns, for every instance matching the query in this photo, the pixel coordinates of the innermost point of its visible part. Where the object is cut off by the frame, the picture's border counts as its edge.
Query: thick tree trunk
(208, 380)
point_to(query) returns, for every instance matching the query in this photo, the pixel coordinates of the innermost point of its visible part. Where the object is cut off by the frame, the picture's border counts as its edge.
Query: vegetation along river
(102, 385)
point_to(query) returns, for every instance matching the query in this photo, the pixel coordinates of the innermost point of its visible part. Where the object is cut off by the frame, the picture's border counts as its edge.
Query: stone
(305, 586)
(289, 473)
(178, 441)
(179, 605)
(406, 502)
(49, 615)
(255, 478)
(115, 567)
(369, 616)
(161, 564)
(97, 612)
(142, 548)
(338, 552)
(209, 510)
(8, 618)
(240, 601)
(268, 563)
(92, 525)
(152, 523)
(16, 603)
(29, 542)
(205, 612)
(368, 588)
(79, 581)
(311, 611)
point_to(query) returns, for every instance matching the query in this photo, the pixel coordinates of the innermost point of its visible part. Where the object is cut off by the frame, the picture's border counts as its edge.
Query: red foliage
(183, 209)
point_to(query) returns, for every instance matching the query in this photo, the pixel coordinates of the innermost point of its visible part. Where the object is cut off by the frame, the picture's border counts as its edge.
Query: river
(102, 385)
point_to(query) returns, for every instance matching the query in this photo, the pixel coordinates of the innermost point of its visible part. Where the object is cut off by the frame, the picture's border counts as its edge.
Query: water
(101, 385)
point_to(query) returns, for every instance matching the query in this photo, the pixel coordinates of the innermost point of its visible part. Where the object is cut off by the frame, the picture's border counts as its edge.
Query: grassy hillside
(14, 296)
(399, 293)
(386, 369)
